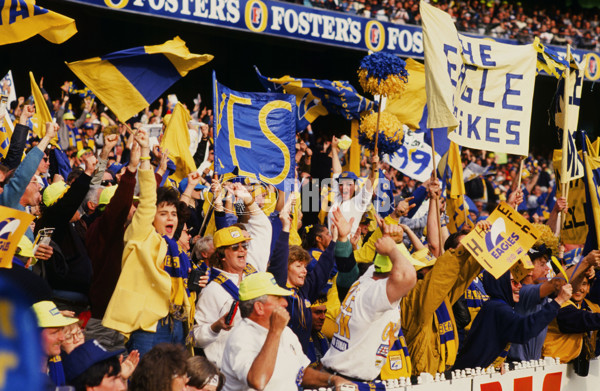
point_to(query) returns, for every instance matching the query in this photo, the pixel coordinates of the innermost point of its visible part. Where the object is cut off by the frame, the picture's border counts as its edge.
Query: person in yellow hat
(230, 266)
(68, 132)
(262, 352)
(52, 323)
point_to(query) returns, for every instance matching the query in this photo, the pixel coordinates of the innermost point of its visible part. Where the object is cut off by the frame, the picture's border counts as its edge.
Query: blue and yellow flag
(549, 61)
(13, 224)
(592, 195)
(455, 191)
(5, 135)
(177, 140)
(319, 97)
(42, 113)
(255, 134)
(22, 19)
(130, 80)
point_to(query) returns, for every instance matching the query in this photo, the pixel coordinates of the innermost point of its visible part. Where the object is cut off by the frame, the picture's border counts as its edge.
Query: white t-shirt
(213, 303)
(361, 343)
(243, 345)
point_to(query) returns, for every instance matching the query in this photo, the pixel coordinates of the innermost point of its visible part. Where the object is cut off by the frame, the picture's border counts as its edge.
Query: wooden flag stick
(376, 149)
(437, 200)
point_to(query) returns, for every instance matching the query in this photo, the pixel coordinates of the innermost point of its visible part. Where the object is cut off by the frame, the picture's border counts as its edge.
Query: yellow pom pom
(389, 126)
(547, 238)
(392, 85)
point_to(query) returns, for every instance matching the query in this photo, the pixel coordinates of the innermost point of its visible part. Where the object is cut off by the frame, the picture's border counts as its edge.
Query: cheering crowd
(500, 19)
(215, 283)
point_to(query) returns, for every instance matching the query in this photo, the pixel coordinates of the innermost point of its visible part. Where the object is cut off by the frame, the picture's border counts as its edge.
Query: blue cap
(115, 168)
(183, 184)
(348, 175)
(88, 125)
(84, 356)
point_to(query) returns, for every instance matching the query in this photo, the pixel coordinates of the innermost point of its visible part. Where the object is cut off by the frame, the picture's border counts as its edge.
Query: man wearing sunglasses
(215, 308)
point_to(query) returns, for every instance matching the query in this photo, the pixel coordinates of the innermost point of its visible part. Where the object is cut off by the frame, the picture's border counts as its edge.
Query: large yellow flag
(408, 107)
(177, 140)
(42, 114)
(22, 19)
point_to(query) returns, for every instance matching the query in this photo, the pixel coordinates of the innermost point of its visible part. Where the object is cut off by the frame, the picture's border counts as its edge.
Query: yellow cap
(107, 194)
(49, 316)
(259, 284)
(68, 115)
(425, 257)
(83, 151)
(25, 247)
(383, 263)
(228, 236)
(54, 192)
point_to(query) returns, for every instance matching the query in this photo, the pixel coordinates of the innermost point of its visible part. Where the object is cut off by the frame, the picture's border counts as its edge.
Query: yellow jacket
(142, 294)
(446, 282)
(563, 345)
(366, 253)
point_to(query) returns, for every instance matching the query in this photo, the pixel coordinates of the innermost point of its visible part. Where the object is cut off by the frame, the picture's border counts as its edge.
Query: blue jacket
(497, 324)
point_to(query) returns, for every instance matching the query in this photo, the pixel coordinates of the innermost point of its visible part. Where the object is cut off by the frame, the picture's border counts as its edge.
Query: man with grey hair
(262, 353)
(203, 249)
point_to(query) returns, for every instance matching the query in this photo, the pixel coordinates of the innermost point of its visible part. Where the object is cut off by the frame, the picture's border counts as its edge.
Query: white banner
(488, 92)
(7, 87)
(414, 156)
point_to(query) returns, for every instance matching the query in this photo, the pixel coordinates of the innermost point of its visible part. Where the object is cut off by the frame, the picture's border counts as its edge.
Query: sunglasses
(236, 247)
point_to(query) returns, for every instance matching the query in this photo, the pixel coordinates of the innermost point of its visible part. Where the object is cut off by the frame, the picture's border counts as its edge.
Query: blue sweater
(14, 189)
(497, 324)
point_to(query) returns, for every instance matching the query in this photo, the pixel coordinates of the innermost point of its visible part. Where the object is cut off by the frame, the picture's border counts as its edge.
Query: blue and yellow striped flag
(22, 19)
(130, 80)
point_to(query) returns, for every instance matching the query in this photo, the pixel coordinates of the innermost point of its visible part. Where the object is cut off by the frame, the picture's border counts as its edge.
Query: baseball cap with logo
(228, 236)
(349, 175)
(84, 356)
(259, 284)
(49, 316)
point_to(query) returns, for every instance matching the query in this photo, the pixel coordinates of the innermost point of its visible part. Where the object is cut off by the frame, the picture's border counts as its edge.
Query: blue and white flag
(255, 134)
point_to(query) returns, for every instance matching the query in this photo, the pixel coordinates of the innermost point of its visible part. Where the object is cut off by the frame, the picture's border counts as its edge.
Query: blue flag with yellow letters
(255, 134)
(319, 97)
(130, 80)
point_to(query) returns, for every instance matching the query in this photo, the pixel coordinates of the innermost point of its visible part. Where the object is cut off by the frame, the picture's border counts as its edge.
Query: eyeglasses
(78, 334)
(236, 247)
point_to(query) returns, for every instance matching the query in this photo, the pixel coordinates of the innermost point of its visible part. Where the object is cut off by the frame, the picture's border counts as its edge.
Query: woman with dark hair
(163, 368)
(204, 375)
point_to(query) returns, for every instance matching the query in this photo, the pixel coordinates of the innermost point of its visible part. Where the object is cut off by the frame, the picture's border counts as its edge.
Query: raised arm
(402, 277)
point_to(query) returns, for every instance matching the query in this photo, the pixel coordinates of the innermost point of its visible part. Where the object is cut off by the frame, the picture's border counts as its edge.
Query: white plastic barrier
(541, 375)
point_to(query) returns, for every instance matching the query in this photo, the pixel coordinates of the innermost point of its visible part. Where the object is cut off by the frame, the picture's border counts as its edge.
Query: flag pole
(437, 201)
(376, 149)
(564, 177)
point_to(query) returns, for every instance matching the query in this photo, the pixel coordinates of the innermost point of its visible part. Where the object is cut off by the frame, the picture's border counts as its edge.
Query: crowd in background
(555, 25)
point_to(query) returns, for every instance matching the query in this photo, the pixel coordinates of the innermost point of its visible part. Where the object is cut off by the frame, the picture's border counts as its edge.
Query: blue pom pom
(380, 65)
(385, 145)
